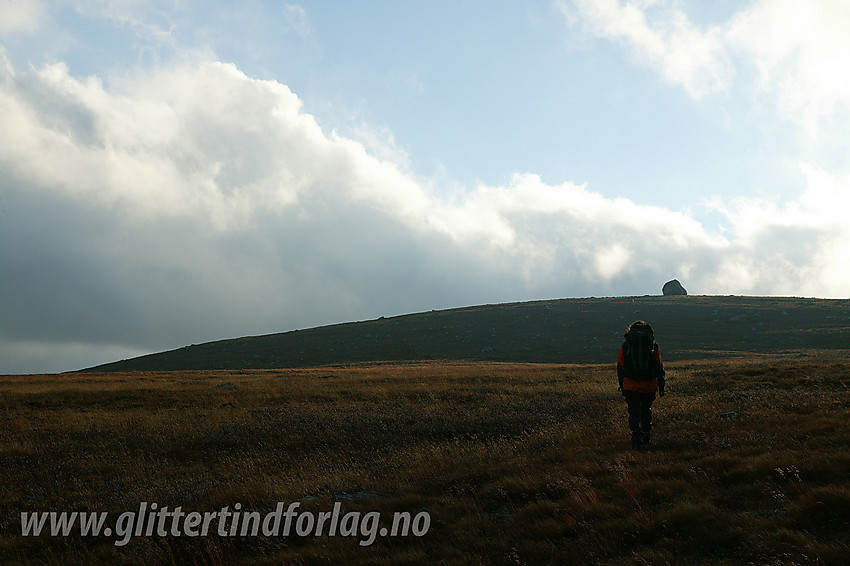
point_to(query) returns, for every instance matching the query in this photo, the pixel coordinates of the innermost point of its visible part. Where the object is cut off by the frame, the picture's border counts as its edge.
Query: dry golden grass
(516, 463)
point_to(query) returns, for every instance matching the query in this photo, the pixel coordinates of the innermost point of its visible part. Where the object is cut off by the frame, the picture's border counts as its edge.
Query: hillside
(566, 331)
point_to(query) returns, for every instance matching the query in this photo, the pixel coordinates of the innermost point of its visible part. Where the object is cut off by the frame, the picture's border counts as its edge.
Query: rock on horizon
(673, 288)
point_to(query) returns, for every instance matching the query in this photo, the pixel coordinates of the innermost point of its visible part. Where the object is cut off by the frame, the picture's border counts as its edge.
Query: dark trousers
(640, 411)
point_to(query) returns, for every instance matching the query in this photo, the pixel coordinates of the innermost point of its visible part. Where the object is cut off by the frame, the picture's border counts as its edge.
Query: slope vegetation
(559, 331)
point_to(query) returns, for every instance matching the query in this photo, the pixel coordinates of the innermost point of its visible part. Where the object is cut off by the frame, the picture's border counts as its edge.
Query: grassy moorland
(515, 463)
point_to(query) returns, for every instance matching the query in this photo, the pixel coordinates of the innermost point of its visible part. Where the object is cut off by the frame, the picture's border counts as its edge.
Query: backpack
(639, 350)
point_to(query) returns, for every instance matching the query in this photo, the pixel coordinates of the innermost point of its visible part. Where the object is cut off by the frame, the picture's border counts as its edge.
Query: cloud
(801, 246)
(296, 20)
(193, 202)
(662, 36)
(151, 21)
(801, 50)
(20, 16)
(793, 52)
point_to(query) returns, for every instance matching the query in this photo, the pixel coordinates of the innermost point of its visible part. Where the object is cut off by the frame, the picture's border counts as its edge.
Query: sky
(176, 171)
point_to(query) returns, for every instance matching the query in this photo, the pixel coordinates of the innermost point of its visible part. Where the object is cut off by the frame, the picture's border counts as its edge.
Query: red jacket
(641, 386)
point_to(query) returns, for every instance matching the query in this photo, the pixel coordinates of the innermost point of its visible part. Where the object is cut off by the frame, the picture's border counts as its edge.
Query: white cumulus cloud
(794, 53)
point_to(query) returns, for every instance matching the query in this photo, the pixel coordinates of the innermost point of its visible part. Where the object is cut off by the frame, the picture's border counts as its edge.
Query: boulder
(673, 288)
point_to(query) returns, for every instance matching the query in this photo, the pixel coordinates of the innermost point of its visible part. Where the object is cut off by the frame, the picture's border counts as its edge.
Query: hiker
(641, 374)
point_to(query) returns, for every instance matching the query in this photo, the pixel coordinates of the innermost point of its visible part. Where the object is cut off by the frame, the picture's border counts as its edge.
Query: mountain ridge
(577, 330)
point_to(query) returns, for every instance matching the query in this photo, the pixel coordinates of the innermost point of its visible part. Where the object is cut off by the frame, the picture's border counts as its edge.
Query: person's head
(639, 327)
(638, 324)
